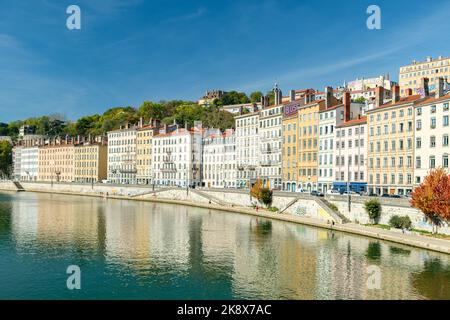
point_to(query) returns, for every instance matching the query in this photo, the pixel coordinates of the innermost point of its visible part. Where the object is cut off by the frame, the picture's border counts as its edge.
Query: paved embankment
(414, 240)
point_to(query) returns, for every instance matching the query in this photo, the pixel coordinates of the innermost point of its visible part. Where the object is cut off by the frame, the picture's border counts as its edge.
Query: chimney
(379, 96)
(396, 93)
(346, 100)
(328, 97)
(291, 95)
(424, 87)
(439, 88)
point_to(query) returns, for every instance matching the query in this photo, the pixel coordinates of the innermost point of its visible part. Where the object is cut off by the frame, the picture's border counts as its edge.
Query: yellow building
(56, 162)
(410, 76)
(91, 162)
(144, 135)
(308, 144)
(289, 146)
(391, 144)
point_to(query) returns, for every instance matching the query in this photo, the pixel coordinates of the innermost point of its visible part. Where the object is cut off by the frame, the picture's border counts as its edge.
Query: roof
(332, 107)
(353, 122)
(402, 101)
(432, 100)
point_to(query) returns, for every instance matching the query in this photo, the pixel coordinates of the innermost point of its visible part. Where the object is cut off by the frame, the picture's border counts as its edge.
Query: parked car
(316, 193)
(333, 192)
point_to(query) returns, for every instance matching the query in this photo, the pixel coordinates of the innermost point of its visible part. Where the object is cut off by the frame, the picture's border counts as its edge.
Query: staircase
(339, 217)
(209, 197)
(18, 186)
(290, 204)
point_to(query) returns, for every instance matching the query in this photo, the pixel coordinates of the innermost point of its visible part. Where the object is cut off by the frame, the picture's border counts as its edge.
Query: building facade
(29, 164)
(91, 161)
(391, 144)
(410, 76)
(144, 138)
(270, 140)
(122, 155)
(349, 167)
(56, 162)
(308, 145)
(247, 148)
(432, 132)
(289, 146)
(177, 158)
(219, 159)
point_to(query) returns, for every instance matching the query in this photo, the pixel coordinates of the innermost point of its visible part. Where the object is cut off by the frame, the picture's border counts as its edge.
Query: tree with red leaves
(432, 197)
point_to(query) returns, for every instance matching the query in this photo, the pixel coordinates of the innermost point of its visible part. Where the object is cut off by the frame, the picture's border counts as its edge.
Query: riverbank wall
(302, 209)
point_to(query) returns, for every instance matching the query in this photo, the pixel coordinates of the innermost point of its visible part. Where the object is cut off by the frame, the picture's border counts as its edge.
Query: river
(140, 250)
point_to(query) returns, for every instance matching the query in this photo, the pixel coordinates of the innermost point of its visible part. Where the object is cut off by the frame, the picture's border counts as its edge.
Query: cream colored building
(391, 144)
(122, 155)
(247, 145)
(91, 162)
(219, 159)
(144, 138)
(410, 75)
(56, 162)
(432, 131)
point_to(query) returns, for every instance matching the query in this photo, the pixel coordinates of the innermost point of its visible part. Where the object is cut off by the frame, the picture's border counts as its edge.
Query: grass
(381, 226)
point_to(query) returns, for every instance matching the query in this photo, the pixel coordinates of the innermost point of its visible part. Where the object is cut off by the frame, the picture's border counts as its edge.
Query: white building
(432, 132)
(29, 167)
(270, 140)
(328, 120)
(177, 157)
(122, 155)
(219, 159)
(350, 156)
(247, 144)
(17, 162)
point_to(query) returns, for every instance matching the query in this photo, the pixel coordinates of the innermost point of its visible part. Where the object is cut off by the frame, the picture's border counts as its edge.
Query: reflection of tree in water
(263, 227)
(399, 251)
(5, 217)
(434, 281)
(374, 251)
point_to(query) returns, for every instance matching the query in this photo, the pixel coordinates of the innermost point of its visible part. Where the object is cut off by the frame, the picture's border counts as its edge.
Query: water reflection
(133, 249)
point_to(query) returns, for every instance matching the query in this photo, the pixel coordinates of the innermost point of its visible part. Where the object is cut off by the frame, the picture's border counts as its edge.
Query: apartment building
(17, 162)
(56, 162)
(308, 144)
(410, 76)
(432, 132)
(122, 155)
(29, 163)
(270, 139)
(391, 143)
(349, 167)
(219, 159)
(144, 138)
(90, 162)
(247, 148)
(289, 145)
(177, 157)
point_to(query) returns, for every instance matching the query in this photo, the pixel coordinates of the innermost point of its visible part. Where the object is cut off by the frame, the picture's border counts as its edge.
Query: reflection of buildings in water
(67, 220)
(138, 234)
(24, 221)
(276, 267)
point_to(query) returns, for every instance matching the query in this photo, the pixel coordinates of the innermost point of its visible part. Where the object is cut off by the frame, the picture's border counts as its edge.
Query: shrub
(266, 196)
(400, 222)
(373, 209)
(333, 207)
(273, 209)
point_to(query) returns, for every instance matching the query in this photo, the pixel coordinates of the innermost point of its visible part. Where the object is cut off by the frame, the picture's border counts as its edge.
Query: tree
(360, 100)
(373, 209)
(5, 158)
(432, 197)
(230, 98)
(256, 96)
(271, 96)
(254, 192)
(266, 196)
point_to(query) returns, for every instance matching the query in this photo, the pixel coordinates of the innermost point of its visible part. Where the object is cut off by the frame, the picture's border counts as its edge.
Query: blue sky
(135, 50)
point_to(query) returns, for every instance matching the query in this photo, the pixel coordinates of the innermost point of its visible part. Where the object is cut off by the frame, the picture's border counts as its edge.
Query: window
(419, 125)
(432, 162)
(445, 122)
(446, 106)
(419, 111)
(433, 123)
(418, 162)
(432, 141)
(433, 109)
(418, 143)
(445, 140)
(445, 161)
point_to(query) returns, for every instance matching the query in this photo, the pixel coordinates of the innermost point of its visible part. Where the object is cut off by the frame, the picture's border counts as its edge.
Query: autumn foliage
(432, 197)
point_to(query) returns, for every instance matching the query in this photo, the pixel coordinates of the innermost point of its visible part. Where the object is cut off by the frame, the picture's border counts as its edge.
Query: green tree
(256, 96)
(360, 100)
(5, 158)
(373, 209)
(266, 196)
